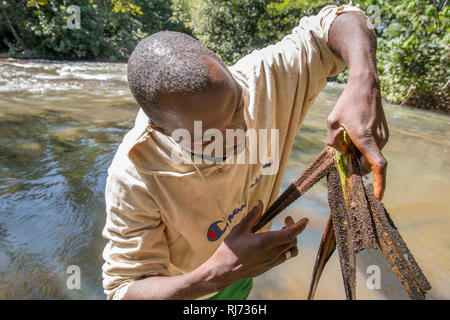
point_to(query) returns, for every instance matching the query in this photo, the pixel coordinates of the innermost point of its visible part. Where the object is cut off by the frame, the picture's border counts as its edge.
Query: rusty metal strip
(326, 249)
(359, 217)
(318, 169)
(357, 221)
(395, 250)
(343, 233)
(351, 216)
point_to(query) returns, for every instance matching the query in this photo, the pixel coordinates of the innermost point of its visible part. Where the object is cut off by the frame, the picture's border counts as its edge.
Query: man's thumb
(335, 139)
(253, 216)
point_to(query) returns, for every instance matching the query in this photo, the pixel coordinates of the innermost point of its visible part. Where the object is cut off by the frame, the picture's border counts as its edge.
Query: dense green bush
(109, 28)
(413, 55)
(413, 37)
(282, 16)
(234, 28)
(229, 28)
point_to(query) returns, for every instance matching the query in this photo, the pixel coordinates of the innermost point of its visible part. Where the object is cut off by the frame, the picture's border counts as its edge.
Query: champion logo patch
(216, 230)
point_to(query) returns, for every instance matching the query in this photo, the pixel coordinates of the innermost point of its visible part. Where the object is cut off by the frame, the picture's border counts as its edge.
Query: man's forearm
(359, 109)
(191, 285)
(351, 38)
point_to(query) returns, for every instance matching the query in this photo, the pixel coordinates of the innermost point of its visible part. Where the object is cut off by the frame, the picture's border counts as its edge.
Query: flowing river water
(60, 124)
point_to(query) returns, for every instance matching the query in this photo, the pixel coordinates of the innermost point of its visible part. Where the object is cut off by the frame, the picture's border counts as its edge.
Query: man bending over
(179, 218)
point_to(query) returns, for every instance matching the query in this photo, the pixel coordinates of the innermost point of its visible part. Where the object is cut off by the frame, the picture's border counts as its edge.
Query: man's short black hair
(167, 62)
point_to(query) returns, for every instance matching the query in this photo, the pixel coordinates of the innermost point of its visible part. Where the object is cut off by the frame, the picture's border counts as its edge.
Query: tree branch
(437, 15)
(11, 27)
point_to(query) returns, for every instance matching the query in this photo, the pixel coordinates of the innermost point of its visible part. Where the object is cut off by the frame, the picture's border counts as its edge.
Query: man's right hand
(244, 254)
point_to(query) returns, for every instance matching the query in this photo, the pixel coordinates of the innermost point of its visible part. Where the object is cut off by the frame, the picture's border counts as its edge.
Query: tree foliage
(413, 37)
(234, 28)
(229, 28)
(413, 54)
(109, 29)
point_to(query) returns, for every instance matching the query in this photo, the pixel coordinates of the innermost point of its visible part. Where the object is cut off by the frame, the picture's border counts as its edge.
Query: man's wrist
(209, 278)
(365, 77)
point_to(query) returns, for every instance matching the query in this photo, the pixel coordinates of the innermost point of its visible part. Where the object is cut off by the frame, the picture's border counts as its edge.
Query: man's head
(176, 81)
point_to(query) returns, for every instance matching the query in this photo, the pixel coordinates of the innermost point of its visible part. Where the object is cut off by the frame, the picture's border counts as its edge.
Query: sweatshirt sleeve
(137, 246)
(291, 73)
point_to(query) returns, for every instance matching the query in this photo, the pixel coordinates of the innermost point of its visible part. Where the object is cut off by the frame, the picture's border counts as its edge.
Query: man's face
(220, 107)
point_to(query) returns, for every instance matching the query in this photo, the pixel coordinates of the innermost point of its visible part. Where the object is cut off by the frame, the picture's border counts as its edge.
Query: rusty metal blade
(326, 249)
(342, 233)
(351, 215)
(395, 250)
(359, 217)
(357, 221)
(318, 169)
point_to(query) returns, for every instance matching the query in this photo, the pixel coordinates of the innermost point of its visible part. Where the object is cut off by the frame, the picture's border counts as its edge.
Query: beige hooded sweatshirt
(165, 218)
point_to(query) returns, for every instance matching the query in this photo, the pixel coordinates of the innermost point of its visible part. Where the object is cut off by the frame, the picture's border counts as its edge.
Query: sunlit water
(60, 124)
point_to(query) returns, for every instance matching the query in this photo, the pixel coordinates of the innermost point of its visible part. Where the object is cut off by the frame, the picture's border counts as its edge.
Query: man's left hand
(359, 111)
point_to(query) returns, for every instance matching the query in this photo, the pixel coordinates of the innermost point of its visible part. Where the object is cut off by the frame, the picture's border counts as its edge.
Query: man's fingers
(288, 221)
(282, 257)
(365, 164)
(285, 235)
(335, 138)
(252, 217)
(294, 251)
(378, 164)
(286, 246)
(372, 160)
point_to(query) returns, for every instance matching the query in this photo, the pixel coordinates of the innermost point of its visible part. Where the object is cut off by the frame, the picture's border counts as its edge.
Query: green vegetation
(413, 36)
(109, 29)
(413, 53)
(234, 28)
